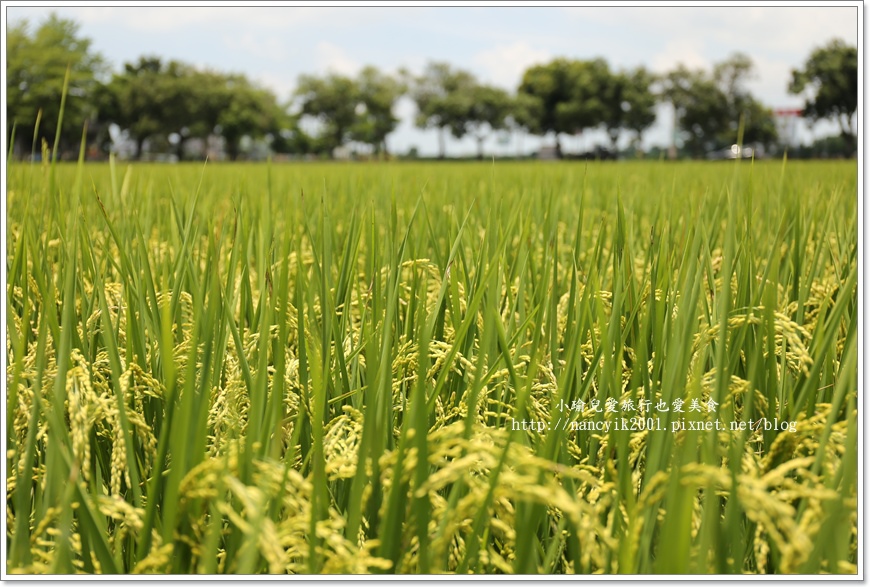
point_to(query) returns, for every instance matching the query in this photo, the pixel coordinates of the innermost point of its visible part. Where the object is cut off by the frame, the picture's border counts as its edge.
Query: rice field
(432, 368)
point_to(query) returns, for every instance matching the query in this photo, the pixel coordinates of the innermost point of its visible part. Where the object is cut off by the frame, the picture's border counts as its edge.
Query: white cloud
(770, 81)
(689, 53)
(405, 108)
(282, 85)
(711, 33)
(504, 65)
(333, 58)
(158, 19)
(152, 19)
(777, 39)
(90, 14)
(257, 46)
(173, 18)
(784, 30)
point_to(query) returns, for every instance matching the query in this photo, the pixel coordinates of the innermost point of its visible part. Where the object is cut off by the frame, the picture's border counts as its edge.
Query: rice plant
(432, 368)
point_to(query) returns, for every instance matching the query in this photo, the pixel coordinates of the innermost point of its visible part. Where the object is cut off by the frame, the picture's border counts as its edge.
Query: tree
(200, 100)
(525, 111)
(709, 108)
(742, 107)
(36, 65)
(699, 107)
(829, 81)
(151, 98)
(442, 94)
(571, 95)
(332, 100)
(641, 103)
(289, 138)
(175, 102)
(377, 95)
(630, 105)
(247, 110)
(548, 85)
(759, 126)
(587, 105)
(486, 109)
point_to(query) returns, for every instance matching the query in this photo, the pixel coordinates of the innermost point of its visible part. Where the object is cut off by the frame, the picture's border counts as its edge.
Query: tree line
(171, 102)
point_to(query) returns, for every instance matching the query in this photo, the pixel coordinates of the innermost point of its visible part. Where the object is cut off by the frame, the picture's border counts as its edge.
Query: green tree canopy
(698, 107)
(201, 100)
(442, 94)
(629, 104)
(571, 94)
(332, 100)
(709, 107)
(549, 85)
(377, 95)
(246, 110)
(586, 104)
(486, 109)
(157, 99)
(149, 98)
(829, 82)
(741, 106)
(36, 65)
(525, 112)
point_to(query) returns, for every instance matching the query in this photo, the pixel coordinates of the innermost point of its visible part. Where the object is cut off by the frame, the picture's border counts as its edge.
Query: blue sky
(274, 45)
